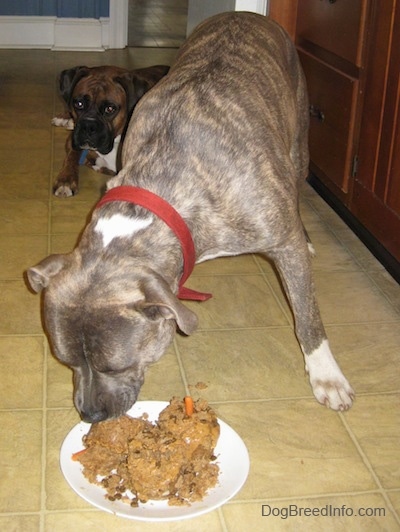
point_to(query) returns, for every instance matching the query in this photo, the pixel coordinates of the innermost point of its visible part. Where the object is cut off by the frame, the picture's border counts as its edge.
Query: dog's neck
(175, 222)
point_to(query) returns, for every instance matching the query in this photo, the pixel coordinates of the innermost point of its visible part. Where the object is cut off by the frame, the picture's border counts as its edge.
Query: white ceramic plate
(232, 458)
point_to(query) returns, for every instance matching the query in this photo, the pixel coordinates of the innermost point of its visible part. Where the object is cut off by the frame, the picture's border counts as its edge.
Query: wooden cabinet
(330, 40)
(333, 109)
(375, 199)
(336, 26)
(350, 52)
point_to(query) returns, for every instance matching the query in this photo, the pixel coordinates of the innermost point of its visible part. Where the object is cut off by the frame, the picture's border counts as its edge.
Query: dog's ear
(39, 276)
(138, 82)
(134, 89)
(69, 78)
(160, 301)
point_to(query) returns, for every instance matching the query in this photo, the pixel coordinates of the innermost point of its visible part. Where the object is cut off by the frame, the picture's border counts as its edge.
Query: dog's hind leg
(329, 385)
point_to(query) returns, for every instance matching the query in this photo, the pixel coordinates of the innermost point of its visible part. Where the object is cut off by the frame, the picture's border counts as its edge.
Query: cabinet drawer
(333, 100)
(334, 25)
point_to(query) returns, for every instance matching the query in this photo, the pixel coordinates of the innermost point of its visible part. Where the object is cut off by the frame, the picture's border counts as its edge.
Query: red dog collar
(173, 219)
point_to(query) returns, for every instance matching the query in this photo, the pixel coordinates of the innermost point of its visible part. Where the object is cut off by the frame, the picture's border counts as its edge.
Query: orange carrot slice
(78, 454)
(189, 405)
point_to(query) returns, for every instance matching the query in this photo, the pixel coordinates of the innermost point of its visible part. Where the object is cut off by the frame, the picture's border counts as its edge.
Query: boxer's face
(100, 100)
(99, 109)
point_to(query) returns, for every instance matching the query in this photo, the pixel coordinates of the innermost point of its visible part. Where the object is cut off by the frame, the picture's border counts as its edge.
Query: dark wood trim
(285, 13)
(385, 258)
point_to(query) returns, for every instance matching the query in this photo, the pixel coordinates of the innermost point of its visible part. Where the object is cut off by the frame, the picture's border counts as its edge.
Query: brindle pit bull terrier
(223, 140)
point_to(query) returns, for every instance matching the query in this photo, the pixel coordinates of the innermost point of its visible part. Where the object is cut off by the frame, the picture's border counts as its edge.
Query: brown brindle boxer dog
(219, 147)
(100, 101)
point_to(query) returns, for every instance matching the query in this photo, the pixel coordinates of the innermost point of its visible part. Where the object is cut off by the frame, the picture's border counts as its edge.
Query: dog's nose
(89, 126)
(94, 417)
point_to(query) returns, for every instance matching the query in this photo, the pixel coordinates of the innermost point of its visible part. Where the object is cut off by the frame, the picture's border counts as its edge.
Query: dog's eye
(110, 109)
(79, 105)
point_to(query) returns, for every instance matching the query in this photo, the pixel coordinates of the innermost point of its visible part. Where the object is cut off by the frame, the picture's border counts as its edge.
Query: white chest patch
(110, 159)
(119, 226)
(210, 256)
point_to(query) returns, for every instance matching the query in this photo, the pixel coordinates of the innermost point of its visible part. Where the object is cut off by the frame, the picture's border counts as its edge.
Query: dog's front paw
(65, 190)
(63, 121)
(329, 385)
(336, 394)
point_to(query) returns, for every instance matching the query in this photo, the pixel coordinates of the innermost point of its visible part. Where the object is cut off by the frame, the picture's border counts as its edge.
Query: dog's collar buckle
(175, 222)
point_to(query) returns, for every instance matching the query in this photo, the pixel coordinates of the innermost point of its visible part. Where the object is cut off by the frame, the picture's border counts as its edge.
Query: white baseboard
(79, 34)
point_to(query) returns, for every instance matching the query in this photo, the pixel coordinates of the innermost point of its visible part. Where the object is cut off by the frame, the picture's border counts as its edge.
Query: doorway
(157, 23)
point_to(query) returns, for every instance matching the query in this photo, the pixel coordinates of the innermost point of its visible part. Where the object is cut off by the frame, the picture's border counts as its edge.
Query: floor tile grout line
(344, 493)
(49, 185)
(327, 324)
(349, 250)
(292, 398)
(368, 465)
(235, 501)
(22, 335)
(222, 520)
(327, 227)
(309, 496)
(381, 292)
(288, 316)
(43, 494)
(366, 271)
(360, 323)
(243, 329)
(229, 274)
(13, 514)
(305, 497)
(230, 402)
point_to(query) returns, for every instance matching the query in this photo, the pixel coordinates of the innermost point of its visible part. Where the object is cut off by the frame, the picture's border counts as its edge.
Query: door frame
(118, 25)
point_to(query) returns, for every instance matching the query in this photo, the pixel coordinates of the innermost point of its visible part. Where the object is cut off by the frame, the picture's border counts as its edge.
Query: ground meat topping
(135, 460)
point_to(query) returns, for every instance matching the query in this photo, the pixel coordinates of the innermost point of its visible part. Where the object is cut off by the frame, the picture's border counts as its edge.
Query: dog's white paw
(60, 121)
(63, 191)
(337, 394)
(330, 386)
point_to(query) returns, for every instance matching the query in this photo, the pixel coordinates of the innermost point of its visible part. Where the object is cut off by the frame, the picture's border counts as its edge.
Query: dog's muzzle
(92, 134)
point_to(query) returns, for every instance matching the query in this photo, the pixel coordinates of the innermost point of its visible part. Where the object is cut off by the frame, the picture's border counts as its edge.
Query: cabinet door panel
(336, 26)
(333, 99)
(376, 194)
(393, 196)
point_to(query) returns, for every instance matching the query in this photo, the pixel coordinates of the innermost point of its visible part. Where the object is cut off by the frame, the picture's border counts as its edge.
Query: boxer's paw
(62, 121)
(65, 190)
